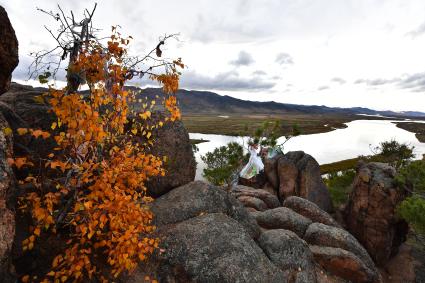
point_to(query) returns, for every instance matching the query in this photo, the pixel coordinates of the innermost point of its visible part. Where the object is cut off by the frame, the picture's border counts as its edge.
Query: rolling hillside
(205, 102)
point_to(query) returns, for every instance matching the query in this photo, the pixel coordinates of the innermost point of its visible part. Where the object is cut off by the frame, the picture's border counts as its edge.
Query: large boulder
(283, 218)
(270, 170)
(7, 217)
(258, 199)
(197, 198)
(206, 236)
(9, 58)
(344, 264)
(24, 107)
(172, 140)
(297, 174)
(370, 213)
(290, 253)
(310, 210)
(323, 235)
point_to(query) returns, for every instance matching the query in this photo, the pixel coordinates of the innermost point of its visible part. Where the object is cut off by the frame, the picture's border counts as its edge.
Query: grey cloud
(338, 80)
(376, 82)
(415, 82)
(259, 73)
(417, 32)
(230, 81)
(244, 59)
(22, 71)
(323, 87)
(284, 59)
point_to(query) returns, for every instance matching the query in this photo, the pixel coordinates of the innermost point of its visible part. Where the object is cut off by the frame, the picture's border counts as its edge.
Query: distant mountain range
(206, 102)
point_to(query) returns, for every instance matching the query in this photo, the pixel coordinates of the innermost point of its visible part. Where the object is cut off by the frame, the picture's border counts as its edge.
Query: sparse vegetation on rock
(224, 164)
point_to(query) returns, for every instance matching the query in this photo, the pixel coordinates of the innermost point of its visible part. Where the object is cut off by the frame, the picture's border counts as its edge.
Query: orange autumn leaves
(96, 190)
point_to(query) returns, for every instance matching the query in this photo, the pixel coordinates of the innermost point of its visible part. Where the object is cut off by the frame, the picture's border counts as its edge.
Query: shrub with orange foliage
(98, 191)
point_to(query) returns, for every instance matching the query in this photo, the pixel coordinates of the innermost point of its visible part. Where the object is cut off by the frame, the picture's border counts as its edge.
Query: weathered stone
(269, 188)
(270, 169)
(8, 61)
(7, 217)
(208, 248)
(7, 232)
(8, 51)
(310, 210)
(323, 235)
(299, 175)
(370, 213)
(253, 202)
(344, 264)
(322, 276)
(289, 253)
(270, 200)
(198, 198)
(283, 218)
(22, 109)
(288, 178)
(172, 140)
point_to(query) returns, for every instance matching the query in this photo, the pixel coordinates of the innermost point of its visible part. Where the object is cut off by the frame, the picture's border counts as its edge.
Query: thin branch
(64, 17)
(175, 35)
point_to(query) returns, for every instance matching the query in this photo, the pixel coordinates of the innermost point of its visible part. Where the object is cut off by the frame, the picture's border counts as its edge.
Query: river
(336, 145)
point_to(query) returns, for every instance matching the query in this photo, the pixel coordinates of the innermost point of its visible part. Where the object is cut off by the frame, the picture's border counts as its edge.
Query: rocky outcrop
(255, 199)
(310, 210)
(8, 51)
(7, 217)
(24, 107)
(172, 141)
(206, 236)
(322, 235)
(338, 256)
(283, 218)
(343, 264)
(214, 248)
(198, 198)
(270, 170)
(8, 61)
(290, 253)
(370, 213)
(297, 174)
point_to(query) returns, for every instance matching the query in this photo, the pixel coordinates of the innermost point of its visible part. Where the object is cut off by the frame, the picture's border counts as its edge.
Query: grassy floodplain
(245, 124)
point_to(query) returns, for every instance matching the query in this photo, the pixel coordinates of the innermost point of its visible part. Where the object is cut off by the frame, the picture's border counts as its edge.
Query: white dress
(254, 165)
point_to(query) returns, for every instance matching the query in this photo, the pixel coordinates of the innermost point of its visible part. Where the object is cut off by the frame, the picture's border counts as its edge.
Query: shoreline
(246, 124)
(417, 128)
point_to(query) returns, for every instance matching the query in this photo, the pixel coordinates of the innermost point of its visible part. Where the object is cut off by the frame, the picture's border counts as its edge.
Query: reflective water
(333, 146)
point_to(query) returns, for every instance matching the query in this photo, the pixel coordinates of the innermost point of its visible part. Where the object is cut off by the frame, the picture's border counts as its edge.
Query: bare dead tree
(72, 36)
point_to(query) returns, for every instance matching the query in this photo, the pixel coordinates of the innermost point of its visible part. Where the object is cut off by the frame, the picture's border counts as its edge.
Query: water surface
(336, 145)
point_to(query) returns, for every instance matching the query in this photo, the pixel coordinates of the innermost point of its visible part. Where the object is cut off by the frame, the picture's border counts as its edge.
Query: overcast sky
(343, 53)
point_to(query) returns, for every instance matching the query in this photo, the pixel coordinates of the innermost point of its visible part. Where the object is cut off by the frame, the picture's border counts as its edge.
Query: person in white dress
(254, 165)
